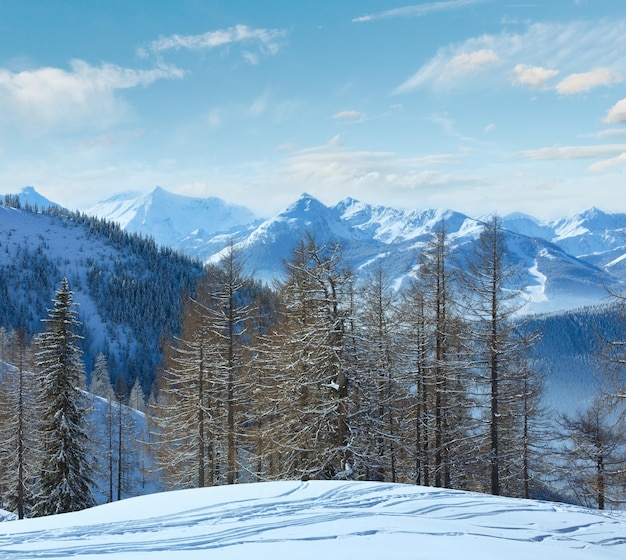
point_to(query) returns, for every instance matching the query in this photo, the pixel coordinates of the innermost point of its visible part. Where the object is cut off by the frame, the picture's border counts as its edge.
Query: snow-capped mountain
(373, 236)
(170, 219)
(565, 263)
(593, 235)
(28, 196)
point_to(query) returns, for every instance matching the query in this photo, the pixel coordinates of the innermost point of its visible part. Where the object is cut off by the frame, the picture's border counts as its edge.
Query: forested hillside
(570, 352)
(129, 291)
(328, 374)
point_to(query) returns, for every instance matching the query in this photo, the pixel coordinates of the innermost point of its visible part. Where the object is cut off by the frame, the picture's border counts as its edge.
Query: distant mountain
(129, 289)
(28, 197)
(562, 264)
(593, 235)
(170, 219)
(372, 236)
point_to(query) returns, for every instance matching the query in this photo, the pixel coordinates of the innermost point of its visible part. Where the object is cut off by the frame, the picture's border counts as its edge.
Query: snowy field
(321, 521)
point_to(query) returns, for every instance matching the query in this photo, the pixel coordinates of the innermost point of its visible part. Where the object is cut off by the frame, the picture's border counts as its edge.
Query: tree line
(58, 453)
(134, 285)
(433, 384)
(323, 376)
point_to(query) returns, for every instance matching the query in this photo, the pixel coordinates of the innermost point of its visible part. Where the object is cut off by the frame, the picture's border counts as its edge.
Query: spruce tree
(65, 483)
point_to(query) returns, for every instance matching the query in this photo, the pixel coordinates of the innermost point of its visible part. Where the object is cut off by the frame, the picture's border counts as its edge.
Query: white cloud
(534, 76)
(531, 55)
(269, 41)
(349, 115)
(467, 63)
(419, 10)
(583, 82)
(332, 166)
(606, 133)
(617, 113)
(49, 97)
(605, 165)
(574, 152)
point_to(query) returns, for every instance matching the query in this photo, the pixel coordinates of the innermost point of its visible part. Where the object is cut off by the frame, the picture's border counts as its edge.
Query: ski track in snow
(299, 514)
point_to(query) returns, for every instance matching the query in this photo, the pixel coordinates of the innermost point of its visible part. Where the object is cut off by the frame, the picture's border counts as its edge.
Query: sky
(479, 106)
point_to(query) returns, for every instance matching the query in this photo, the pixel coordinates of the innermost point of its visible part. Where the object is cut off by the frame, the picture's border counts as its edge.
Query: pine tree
(313, 431)
(595, 456)
(19, 452)
(199, 416)
(377, 383)
(498, 348)
(439, 411)
(184, 408)
(65, 481)
(100, 386)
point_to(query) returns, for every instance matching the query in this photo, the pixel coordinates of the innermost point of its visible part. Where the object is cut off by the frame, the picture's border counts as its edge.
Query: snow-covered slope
(321, 519)
(169, 218)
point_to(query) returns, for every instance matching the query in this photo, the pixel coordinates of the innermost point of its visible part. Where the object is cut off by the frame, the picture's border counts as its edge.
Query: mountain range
(562, 264)
(129, 288)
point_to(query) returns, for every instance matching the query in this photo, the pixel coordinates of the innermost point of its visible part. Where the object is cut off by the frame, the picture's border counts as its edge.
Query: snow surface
(321, 520)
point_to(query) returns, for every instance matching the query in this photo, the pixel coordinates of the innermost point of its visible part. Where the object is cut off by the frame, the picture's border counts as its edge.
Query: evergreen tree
(184, 407)
(65, 481)
(100, 386)
(439, 411)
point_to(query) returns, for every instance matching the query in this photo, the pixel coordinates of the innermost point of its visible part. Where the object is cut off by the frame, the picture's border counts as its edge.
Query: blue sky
(475, 105)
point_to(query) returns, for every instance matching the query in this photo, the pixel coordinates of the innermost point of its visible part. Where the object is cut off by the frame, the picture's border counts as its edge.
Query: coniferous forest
(207, 377)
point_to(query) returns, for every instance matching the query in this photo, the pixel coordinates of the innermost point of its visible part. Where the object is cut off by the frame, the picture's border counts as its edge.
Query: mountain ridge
(564, 263)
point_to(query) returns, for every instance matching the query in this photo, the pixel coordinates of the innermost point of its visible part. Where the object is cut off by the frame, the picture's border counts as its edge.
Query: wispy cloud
(608, 155)
(607, 133)
(48, 97)
(607, 164)
(268, 41)
(360, 171)
(583, 82)
(109, 140)
(617, 113)
(259, 105)
(468, 63)
(531, 58)
(574, 152)
(349, 115)
(419, 10)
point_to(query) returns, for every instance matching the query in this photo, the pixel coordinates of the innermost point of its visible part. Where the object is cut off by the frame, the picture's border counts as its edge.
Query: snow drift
(313, 520)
